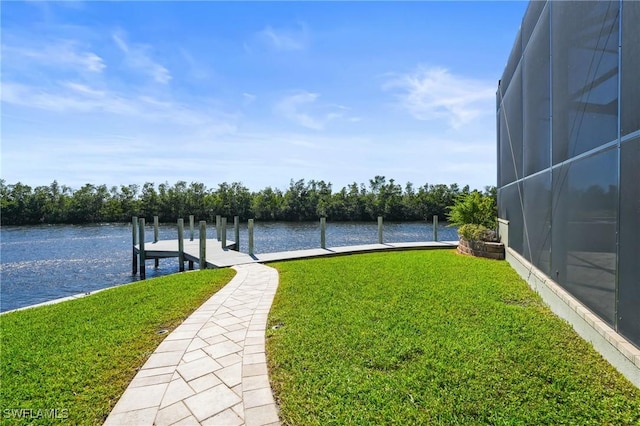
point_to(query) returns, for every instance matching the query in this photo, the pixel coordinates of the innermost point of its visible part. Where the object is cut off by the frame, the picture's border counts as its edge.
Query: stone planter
(479, 248)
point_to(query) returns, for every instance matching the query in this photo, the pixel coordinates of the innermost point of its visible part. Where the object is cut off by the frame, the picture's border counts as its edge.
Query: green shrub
(471, 231)
(474, 208)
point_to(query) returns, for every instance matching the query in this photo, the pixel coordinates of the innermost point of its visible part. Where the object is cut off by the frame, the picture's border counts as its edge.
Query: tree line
(302, 201)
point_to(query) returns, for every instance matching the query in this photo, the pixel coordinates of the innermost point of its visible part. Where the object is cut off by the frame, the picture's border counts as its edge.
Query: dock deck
(218, 257)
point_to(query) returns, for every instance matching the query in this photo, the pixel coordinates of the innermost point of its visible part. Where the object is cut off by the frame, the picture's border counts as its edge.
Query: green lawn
(431, 337)
(78, 357)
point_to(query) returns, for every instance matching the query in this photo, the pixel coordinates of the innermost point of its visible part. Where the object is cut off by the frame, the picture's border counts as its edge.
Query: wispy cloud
(77, 80)
(302, 109)
(138, 58)
(74, 97)
(195, 68)
(67, 53)
(84, 89)
(248, 98)
(436, 94)
(292, 107)
(282, 39)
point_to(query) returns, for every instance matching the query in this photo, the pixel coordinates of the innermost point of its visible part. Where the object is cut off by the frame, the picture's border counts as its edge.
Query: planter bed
(490, 250)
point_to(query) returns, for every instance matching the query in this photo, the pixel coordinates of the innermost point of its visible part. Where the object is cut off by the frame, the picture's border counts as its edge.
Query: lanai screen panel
(537, 208)
(511, 130)
(509, 208)
(537, 99)
(530, 20)
(629, 261)
(630, 73)
(585, 76)
(584, 215)
(571, 188)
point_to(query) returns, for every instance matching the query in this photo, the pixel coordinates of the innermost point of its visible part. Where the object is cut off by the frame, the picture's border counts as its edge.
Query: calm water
(42, 263)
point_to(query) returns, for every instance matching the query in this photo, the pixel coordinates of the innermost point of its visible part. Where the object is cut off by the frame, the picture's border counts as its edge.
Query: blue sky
(122, 93)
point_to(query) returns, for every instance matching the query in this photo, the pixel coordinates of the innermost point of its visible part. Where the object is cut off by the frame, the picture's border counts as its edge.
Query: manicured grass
(79, 356)
(431, 337)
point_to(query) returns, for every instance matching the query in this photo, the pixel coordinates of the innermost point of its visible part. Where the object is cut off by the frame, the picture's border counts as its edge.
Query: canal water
(42, 263)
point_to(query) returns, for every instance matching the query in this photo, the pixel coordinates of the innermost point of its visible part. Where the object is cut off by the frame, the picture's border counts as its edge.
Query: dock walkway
(218, 257)
(212, 369)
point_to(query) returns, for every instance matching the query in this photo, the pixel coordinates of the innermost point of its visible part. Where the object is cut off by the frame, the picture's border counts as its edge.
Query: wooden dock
(221, 253)
(217, 257)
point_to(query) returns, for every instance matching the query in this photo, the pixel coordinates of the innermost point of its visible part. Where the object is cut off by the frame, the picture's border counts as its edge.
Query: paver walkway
(211, 370)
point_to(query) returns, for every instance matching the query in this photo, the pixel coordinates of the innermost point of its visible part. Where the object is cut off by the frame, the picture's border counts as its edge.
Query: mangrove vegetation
(22, 204)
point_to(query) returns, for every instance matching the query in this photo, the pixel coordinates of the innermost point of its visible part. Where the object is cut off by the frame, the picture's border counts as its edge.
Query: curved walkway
(212, 369)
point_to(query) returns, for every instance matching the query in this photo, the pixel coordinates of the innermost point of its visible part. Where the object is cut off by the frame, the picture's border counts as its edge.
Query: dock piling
(191, 227)
(155, 229)
(250, 227)
(435, 228)
(155, 239)
(236, 228)
(134, 240)
(223, 231)
(323, 232)
(203, 245)
(143, 272)
(181, 244)
(379, 229)
(218, 226)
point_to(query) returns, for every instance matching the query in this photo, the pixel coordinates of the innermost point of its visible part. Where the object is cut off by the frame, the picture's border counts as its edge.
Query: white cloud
(436, 94)
(195, 68)
(138, 58)
(73, 97)
(302, 109)
(83, 89)
(62, 53)
(291, 108)
(285, 39)
(249, 98)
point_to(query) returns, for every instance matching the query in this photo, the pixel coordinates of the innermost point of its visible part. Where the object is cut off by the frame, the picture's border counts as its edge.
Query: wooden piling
(203, 244)
(134, 240)
(323, 232)
(236, 228)
(218, 225)
(143, 272)
(155, 229)
(181, 244)
(435, 228)
(191, 224)
(156, 261)
(379, 229)
(250, 227)
(223, 231)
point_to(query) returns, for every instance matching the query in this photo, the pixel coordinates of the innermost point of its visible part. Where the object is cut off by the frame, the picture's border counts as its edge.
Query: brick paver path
(212, 369)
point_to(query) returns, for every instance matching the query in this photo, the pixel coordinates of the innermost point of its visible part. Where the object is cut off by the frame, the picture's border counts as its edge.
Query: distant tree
(150, 202)
(267, 204)
(16, 206)
(302, 201)
(112, 208)
(295, 201)
(195, 202)
(87, 204)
